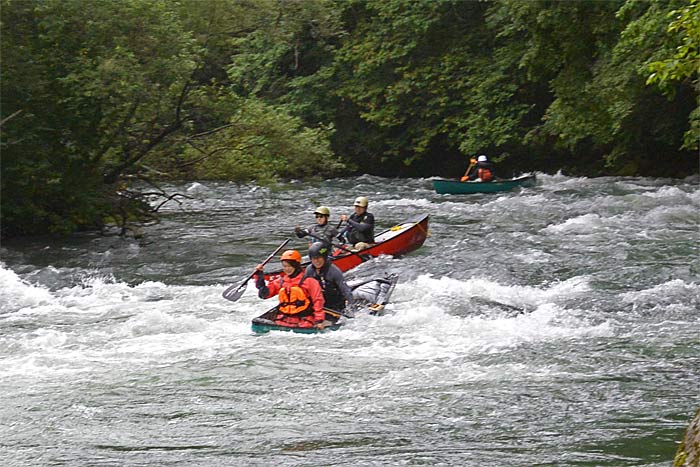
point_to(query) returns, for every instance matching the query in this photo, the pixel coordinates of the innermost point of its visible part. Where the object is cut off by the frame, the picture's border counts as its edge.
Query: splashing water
(556, 325)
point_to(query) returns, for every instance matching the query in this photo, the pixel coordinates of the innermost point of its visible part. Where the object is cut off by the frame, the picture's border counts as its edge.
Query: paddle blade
(235, 292)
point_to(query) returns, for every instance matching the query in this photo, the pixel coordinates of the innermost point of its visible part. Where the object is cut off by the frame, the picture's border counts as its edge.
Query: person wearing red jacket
(300, 298)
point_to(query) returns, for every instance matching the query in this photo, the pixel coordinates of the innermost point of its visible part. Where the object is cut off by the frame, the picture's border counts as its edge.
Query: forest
(102, 100)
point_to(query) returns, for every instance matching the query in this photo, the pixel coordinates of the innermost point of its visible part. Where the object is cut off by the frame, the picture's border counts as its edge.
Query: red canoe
(396, 241)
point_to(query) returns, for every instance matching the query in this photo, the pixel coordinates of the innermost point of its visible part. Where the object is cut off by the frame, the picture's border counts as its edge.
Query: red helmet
(291, 255)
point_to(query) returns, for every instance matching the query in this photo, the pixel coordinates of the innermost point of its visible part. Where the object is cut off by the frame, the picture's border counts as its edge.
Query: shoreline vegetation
(98, 95)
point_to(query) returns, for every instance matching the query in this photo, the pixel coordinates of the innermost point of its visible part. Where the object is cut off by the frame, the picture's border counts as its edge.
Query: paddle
(333, 313)
(234, 292)
(467, 172)
(338, 314)
(362, 257)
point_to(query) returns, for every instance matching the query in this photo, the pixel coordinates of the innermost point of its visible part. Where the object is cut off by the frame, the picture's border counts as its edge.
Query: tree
(683, 65)
(428, 78)
(122, 90)
(99, 87)
(546, 85)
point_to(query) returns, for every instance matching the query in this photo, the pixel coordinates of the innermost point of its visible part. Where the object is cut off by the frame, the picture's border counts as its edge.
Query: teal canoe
(264, 323)
(455, 187)
(370, 296)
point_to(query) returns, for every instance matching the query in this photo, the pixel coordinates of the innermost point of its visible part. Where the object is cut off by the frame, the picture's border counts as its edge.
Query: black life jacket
(355, 236)
(333, 296)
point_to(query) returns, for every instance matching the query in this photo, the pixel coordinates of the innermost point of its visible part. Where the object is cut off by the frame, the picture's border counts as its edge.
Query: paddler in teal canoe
(336, 292)
(300, 298)
(479, 170)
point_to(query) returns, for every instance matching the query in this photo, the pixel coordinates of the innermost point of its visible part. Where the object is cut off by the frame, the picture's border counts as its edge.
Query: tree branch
(2, 122)
(118, 131)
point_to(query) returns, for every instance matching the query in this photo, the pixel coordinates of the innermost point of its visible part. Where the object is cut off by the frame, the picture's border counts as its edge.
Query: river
(552, 326)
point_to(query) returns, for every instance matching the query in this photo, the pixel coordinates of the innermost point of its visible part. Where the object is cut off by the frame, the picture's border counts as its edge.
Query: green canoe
(455, 187)
(370, 296)
(264, 323)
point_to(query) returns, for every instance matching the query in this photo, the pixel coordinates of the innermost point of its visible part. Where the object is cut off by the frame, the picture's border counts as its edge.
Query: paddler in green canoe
(479, 170)
(300, 298)
(336, 292)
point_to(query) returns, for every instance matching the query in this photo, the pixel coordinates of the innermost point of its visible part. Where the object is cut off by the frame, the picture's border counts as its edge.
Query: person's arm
(273, 287)
(300, 233)
(313, 290)
(469, 172)
(331, 233)
(338, 277)
(342, 235)
(265, 290)
(365, 226)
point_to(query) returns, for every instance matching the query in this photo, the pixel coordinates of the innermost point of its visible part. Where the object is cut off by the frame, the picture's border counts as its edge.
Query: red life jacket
(293, 299)
(485, 174)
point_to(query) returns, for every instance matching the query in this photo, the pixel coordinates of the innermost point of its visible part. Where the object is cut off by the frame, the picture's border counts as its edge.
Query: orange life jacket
(485, 174)
(293, 299)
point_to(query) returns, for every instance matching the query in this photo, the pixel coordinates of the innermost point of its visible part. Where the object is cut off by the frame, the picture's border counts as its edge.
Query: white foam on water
(420, 327)
(675, 289)
(560, 180)
(196, 187)
(419, 204)
(533, 256)
(585, 224)
(428, 347)
(102, 325)
(449, 289)
(665, 215)
(671, 194)
(16, 293)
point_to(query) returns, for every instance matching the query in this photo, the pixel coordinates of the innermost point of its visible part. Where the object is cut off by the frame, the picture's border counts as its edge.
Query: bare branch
(116, 133)
(211, 132)
(2, 122)
(170, 198)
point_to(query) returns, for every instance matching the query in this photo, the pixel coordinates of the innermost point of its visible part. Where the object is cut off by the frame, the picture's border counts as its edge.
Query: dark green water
(554, 326)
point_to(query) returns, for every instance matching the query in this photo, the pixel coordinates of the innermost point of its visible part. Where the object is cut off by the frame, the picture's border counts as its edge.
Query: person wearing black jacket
(360, 226)
(322, 230)
(336, 292)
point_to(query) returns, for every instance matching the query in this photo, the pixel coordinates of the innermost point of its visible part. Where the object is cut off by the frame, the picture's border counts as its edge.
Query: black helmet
(318, 249)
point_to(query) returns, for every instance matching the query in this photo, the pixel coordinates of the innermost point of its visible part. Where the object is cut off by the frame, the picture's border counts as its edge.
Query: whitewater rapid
(556, 325)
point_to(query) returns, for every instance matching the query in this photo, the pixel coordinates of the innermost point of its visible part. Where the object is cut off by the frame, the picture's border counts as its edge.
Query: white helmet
(481, 158)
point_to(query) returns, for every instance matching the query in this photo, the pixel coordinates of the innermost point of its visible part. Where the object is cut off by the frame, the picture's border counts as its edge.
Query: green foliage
(682, 64)
(98, 85)
(684, 30)
(285, 59)
(428, 73)
(260, 142)
(593, 56)
(96, 93)
(122, 89)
